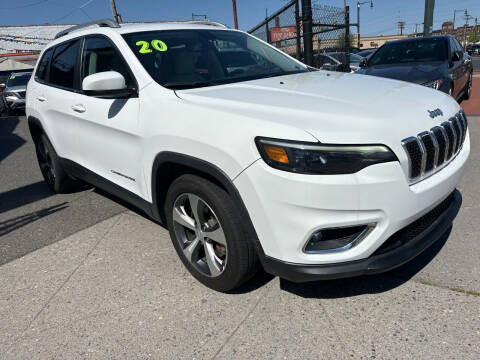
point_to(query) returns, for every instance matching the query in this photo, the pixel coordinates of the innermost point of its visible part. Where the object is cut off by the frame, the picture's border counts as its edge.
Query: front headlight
(317, 158)
(436, 84)
(9, 94)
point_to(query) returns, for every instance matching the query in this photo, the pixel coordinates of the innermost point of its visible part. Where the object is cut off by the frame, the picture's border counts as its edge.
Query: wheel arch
(35, 127)
(168, 166)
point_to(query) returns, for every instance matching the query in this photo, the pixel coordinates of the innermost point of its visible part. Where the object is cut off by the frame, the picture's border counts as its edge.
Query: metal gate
(287, 29)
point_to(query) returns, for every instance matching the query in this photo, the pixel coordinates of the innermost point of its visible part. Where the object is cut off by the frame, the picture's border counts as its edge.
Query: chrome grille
(430, 150)
(22, 94)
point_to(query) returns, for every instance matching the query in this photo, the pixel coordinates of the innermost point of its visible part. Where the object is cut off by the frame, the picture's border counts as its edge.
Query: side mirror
(2, 86)
(363, 63)
(456, 56)
(107, 84)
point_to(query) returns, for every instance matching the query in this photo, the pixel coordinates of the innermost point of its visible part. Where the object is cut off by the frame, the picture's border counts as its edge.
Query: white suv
(249, 159)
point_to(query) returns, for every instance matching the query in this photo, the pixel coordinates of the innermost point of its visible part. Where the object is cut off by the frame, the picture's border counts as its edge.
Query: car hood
(418, 73)
(333, 107)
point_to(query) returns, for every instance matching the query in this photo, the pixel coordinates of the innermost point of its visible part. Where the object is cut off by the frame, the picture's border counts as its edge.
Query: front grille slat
(431, 150)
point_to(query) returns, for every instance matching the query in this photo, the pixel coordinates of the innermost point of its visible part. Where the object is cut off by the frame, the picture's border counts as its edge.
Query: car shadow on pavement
(24, 195)
(10, 225)
(371, 284)
(9, 142)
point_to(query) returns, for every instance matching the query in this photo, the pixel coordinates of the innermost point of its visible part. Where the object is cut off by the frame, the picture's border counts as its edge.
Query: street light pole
(358, 18)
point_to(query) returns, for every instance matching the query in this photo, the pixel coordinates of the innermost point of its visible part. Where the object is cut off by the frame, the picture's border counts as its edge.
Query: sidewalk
(118, 290)
(472, 106)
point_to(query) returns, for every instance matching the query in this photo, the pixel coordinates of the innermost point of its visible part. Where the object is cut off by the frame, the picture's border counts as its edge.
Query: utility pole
(358, 18)
(416, 30)
(235, 19)
(475, 31)
(116, 15)
(467, 17)
(428, 18)
(401, 26)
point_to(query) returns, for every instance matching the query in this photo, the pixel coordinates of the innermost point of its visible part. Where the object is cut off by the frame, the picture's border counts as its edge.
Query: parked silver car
(14, 91)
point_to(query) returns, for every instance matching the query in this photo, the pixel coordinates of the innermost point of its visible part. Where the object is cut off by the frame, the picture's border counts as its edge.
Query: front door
(108, 130)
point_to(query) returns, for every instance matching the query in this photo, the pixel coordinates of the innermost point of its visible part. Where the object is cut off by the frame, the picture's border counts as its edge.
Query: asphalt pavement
(82, 276)
(30, 216)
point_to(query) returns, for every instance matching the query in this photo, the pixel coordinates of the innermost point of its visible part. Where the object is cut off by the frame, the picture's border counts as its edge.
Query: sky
(381, 20)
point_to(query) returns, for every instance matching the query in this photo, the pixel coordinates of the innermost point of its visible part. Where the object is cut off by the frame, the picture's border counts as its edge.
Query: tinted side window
(62, 68)
(100, 55)
(458, 46)
(42, 68)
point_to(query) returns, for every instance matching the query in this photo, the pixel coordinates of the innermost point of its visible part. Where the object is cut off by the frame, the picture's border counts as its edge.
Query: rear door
(106, 128)
(463, 67)
(54, 96)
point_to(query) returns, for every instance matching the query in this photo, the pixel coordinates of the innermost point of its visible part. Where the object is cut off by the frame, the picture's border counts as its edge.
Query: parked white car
(309, 174)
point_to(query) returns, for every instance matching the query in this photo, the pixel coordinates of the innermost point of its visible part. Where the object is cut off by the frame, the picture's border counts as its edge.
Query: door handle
(41, 98)
(79, 108)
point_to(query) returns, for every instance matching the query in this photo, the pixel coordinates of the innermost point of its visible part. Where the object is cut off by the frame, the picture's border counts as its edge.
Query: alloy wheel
(200, 234)
(46, 163)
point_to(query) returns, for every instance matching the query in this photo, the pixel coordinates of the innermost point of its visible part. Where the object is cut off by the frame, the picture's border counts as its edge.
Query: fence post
(307, 31)
(266, 27)
(347, 37)
(297, 22)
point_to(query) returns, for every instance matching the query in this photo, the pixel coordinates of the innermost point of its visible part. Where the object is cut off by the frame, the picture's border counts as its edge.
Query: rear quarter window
(42, 68)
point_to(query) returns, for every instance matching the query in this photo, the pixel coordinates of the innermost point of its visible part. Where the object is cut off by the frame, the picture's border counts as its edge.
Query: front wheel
(208, 233)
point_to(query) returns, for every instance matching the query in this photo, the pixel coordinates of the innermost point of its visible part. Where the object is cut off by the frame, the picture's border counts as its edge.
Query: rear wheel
(208, 233)
(55, 176)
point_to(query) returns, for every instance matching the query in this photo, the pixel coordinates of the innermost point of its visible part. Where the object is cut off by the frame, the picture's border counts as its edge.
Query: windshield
(424, 50)
(182, 59)
(18, 80)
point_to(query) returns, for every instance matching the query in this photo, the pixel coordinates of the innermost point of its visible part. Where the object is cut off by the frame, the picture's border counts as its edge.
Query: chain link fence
(282, 29)
(330, 32)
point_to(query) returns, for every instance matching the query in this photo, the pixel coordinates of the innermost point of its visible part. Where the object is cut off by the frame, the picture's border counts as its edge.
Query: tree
(472, 37)
(341, 41)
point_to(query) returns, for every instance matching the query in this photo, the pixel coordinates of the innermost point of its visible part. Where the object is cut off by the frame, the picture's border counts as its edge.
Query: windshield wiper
(188, 85)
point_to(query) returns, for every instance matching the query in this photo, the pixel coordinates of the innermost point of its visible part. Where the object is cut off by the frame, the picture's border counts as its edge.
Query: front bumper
(286, 208)
(400, 248)
(15, 103)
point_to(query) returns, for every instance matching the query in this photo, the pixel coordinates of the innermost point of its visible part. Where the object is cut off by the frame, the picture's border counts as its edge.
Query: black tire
(55, 176)
(240, 262)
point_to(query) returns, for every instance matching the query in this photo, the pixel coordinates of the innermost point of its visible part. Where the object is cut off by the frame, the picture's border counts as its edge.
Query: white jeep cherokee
(246, 155)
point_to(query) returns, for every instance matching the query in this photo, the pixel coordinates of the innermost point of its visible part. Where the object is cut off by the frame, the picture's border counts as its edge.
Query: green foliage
(341, 41)
(472, 37)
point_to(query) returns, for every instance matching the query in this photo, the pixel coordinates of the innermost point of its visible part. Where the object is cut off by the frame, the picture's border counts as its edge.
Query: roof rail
(101, 23)
(208, 22)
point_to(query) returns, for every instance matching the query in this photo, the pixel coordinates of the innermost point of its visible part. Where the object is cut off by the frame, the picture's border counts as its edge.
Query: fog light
(337, 239)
